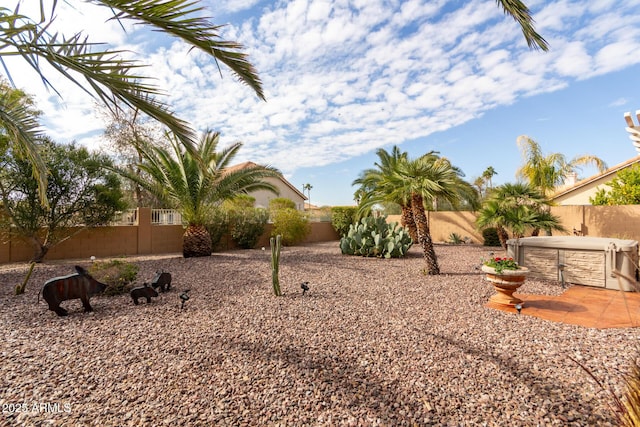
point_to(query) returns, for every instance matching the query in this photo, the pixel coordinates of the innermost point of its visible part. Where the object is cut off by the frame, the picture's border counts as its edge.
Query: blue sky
(344, 78)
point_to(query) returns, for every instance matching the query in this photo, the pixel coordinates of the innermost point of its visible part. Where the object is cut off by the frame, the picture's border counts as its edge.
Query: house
(286, 189)
(579, 193)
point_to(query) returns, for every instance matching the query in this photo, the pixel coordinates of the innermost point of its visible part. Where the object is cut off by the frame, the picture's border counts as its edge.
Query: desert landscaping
(373, 342)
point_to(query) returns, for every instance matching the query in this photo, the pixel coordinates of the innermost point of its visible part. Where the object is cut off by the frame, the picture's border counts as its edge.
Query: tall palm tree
(107, 76)
(411, 183)
(488, 175)
(544, 173)
(371, 192)
(194, 182)
(308, 188)
(480, 183)
(517, 208)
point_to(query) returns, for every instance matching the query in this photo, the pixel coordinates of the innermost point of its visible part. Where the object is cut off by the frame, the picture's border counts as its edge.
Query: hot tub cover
(575, 242)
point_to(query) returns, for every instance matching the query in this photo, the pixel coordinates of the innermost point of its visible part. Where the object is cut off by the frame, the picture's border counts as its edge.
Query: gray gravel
(374, 342)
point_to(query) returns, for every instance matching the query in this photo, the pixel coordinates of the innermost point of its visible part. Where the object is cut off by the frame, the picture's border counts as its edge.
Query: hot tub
(589, 261)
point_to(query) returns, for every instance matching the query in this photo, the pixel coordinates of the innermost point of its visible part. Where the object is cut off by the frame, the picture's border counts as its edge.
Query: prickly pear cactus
(373, 237)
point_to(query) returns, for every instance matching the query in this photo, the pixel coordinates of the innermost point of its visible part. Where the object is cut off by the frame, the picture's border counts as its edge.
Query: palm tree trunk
(424, 236)
(503, 236)
(196, 241)
(406, 220)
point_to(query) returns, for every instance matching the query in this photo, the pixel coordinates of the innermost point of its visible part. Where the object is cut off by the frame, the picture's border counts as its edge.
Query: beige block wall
(621, 222)
(166, 238)
(599, 221)
(442, 224)
(571, 218)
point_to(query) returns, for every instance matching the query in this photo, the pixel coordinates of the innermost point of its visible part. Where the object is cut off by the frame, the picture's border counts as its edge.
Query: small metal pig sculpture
(143, 292)
(80, 285)
(162, 281)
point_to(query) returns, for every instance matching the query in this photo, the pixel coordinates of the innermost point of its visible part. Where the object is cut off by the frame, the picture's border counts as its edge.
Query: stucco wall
(140, 239)
(582, 195)
(599, 221)
(263, 197)
(621, 222)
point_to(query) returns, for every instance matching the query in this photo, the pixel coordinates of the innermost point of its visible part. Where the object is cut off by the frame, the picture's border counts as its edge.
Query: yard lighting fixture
(561, 268)
(519, 308)
(93, 259)
(305, 287)
(184, 296)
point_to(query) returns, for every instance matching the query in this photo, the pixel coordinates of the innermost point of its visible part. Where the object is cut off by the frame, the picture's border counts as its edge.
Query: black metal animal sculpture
(143, 292)
(162, 281)
(80, 285)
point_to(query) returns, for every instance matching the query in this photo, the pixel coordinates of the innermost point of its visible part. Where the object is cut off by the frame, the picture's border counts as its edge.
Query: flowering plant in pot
(500, 264)
(506, 276)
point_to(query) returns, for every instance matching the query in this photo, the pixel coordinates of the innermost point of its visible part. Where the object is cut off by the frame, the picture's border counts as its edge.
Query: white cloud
(343, 78)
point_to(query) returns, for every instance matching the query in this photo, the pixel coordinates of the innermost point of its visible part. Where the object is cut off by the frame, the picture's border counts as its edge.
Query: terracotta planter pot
(505, 284)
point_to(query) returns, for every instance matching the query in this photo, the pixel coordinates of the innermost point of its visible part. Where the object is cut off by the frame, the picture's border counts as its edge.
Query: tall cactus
(276, 244)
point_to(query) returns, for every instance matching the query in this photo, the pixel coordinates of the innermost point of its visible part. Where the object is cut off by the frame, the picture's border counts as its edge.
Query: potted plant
(506, 276)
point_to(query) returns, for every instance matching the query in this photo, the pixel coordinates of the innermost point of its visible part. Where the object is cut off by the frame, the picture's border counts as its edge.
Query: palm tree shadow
(344, 375)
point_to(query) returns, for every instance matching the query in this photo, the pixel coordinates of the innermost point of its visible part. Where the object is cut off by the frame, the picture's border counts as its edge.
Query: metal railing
(165, 217)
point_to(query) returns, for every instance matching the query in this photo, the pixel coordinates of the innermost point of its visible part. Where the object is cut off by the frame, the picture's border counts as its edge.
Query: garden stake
(275, 263)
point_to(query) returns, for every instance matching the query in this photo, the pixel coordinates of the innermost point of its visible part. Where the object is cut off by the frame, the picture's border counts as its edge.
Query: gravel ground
(373, 343)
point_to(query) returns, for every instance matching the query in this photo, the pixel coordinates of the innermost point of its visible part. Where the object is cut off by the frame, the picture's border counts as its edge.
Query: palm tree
(195, 182)
(479, 183)
(411, 183)
(544, 173)
(488, 174)
(518, 208)
(371, 191)
(308, 188)
(107, 76)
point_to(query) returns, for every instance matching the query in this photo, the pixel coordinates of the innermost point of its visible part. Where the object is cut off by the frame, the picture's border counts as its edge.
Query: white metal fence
(165, 217)
(173, 217)
(158, 217)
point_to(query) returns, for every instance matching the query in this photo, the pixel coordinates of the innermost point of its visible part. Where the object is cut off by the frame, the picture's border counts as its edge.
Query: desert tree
(80, 191)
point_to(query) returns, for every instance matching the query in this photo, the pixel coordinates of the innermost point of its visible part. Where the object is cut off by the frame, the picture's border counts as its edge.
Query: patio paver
(582, 305)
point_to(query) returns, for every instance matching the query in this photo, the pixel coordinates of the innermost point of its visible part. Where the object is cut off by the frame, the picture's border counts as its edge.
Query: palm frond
(521, 14)
(23, 132)
(180, 19)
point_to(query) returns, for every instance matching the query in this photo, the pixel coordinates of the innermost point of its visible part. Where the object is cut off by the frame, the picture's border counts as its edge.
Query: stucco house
(578, 193)
(286, 189)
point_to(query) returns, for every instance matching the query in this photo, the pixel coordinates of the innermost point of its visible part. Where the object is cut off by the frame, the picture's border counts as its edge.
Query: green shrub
(375, 237)
(117, 274)
(247, 225)
(342, 217)
(292, 224)
(281, 203)
(490, 236)
(218, 226)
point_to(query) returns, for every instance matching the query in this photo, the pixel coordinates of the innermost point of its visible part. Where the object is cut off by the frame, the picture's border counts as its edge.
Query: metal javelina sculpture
(80, 285)
(143, 292)
(162, 281)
